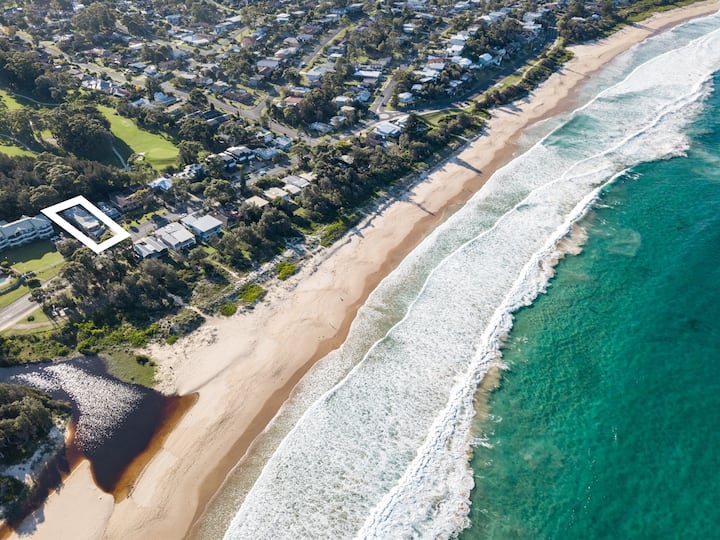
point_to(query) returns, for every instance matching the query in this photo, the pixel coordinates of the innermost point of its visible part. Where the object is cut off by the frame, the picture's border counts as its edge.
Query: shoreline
(245, 367)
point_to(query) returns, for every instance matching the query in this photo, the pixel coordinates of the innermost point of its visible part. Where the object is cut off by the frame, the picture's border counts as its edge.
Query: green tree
(152, 85)
(188, 152)
(198, 98)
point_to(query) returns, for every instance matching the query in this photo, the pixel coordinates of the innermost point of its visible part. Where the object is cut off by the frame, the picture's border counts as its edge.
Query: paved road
(17, 311)
(309, 58)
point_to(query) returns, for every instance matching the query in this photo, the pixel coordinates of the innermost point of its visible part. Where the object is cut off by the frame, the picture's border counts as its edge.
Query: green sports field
(159, 150)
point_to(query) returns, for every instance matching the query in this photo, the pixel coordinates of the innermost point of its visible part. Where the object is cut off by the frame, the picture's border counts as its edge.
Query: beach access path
(245, 367)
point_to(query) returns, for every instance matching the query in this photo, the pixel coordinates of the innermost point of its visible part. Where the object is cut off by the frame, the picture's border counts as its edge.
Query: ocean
(603, 422)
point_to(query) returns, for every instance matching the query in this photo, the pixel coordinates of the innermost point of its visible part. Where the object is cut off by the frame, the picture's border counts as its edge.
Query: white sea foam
(383, 454)
(102, 403)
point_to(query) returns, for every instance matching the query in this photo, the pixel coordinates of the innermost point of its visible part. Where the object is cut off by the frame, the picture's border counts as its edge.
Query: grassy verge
(9, 298)
(131, 367)
(642, 10)
(159, 150)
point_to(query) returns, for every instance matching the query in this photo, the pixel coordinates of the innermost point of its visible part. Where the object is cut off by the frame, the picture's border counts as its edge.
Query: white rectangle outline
(52, 212)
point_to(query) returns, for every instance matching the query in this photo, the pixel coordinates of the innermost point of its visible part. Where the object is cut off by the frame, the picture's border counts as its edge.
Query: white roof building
(175, 236)
(204, 227)
(275, 192)
(257, 201)
(149, 247)
(295, 181)
(405, 97)
(387, 129)
(24, 230)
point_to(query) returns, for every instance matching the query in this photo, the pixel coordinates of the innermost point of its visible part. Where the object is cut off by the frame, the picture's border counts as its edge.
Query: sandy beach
(244, 367)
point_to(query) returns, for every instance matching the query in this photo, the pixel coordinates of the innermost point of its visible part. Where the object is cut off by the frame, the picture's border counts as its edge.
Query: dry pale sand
(245, 367)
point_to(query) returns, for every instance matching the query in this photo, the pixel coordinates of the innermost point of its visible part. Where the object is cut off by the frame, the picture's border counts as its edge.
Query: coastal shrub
(11, 489)
(27, 418)
(186, 322)
(142, 359)
(228, 309)
(285, 269)
(251, 293)
(337, 229)
(171, 339)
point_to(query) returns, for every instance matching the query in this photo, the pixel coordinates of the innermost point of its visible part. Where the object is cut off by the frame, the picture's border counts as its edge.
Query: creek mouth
(116, 426)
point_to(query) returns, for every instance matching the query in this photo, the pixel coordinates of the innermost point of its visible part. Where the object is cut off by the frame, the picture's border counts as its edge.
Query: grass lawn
(158, 149)
(12, 103)
(435, 116)
(40, 325)
(130, 367)
(9, 298)
(38, 257)
(40, 333)
(12, 150)
(39, 317)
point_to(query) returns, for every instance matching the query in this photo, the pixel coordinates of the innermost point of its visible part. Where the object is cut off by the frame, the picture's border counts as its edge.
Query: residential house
(338, 121)
(203, 227)
(175, 236)
(228, 161)
(292, 190)
(266, 154)
(164, 183)
(298, 91)
(387, 130)
(193, 171)
(240, 153)
(275, 192)
(291, 101)
(285, 53)
(405, 98)
(126, 200)
(317, 72)
(320, 127)
(368, 74)
(264, 135)
(238, 94)
(84, 220)
(149, 247)
(295, 181)
(257, 201)
(343, 100)
(269, 63)
(108, 210)
(282, 143)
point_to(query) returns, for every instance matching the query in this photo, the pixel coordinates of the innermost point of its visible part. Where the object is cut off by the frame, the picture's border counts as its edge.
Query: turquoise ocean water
(606, 424)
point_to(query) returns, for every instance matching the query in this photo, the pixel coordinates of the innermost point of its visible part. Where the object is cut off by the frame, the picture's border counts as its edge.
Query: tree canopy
(26, 416)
